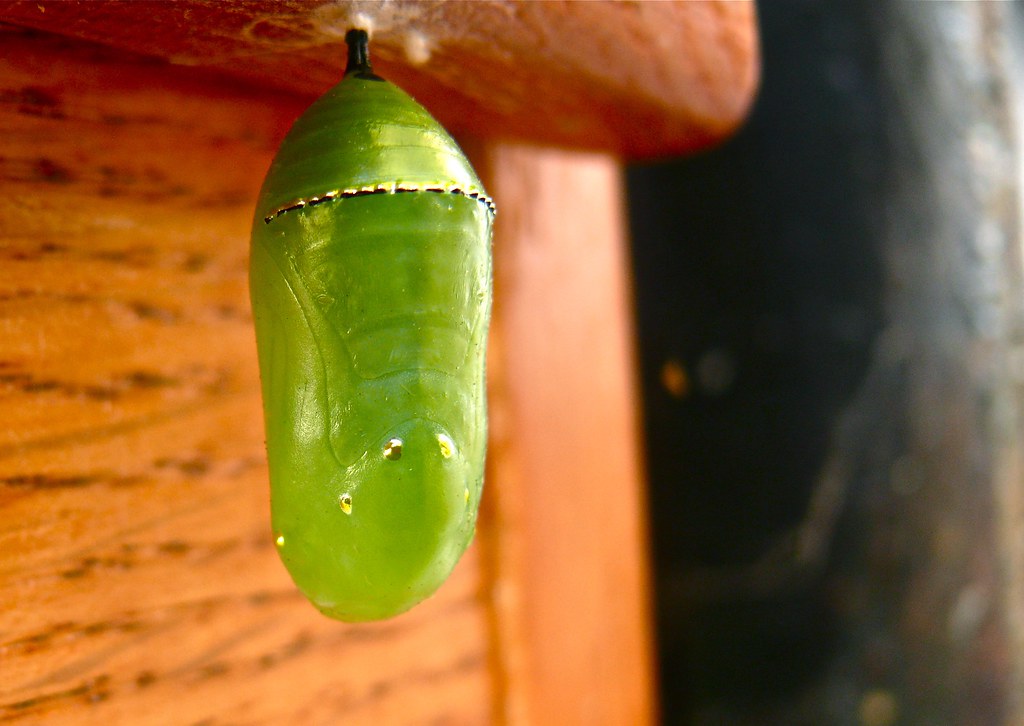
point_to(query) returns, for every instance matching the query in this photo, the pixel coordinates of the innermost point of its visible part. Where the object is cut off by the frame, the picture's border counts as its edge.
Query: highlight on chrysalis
(370, 282)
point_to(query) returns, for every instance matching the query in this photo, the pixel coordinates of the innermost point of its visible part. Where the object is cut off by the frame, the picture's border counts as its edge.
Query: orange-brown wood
(640, 79)
(137, 578)
(567, 542)
(138, 582)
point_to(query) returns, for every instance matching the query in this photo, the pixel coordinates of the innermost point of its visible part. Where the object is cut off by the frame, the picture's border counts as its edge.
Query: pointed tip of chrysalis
(358, 41)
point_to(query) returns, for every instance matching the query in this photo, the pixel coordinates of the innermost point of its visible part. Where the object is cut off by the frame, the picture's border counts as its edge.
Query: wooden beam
(636, 79)
(567, 539)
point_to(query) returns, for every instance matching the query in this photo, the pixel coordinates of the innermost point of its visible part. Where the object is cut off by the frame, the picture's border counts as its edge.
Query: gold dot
(280, 540)
(447, 445)
(467, 495)
(674, 379)
(345, 500)
(393, 449)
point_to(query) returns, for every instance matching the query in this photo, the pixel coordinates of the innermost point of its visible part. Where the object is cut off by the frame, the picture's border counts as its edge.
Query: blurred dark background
(822, 447)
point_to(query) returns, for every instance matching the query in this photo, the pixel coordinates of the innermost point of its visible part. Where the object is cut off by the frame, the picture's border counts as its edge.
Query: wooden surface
(640, 79)
(137, 576)
(137, 573)
(565, 460)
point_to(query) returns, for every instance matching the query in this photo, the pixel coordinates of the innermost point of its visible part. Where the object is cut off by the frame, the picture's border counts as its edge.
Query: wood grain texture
(641, 79)
(138, 582)
(137, 576)
(568, 545)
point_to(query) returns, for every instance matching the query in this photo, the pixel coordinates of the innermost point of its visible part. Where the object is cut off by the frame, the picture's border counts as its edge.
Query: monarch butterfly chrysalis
(370, 280)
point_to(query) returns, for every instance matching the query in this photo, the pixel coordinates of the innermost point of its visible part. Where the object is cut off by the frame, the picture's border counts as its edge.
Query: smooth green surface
(371, 318)
(363, 133)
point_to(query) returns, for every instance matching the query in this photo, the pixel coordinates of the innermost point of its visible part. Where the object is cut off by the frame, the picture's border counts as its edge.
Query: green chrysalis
(370, 279)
